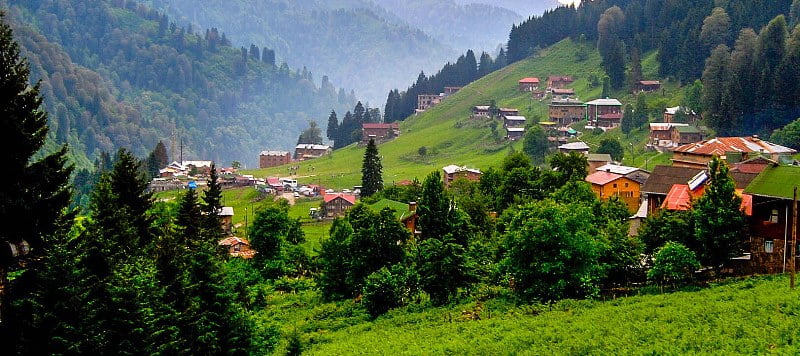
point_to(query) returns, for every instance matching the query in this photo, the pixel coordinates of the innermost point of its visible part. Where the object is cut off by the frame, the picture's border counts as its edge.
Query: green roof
(687, 129)
(400, 209)
(775, 182)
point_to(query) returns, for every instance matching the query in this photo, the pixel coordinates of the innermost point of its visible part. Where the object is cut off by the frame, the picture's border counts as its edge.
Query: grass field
(452, 138)
(756, 316)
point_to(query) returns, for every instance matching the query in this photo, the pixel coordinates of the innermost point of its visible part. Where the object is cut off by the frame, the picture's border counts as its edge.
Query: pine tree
(434, 207)
(371, 171)
(635, 74)
(333, 126)
(212, 207)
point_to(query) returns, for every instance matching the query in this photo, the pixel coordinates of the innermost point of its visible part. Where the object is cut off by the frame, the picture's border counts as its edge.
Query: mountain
(118, 74)
(526, 8)
(476, 26)
(358, 44)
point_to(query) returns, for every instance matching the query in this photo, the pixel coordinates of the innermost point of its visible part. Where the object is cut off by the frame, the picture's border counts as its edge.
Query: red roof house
(528, 84)
(336, 204)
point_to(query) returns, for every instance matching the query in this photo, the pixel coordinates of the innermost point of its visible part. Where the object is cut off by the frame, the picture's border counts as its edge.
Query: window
(626, 185)
(615, 185)
(768, 246)
(773, 217)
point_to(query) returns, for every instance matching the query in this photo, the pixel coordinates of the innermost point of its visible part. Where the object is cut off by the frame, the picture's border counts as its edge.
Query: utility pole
(794, 239)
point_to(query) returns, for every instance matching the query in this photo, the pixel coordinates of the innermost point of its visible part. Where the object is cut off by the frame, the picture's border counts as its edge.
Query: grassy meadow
(451, 137)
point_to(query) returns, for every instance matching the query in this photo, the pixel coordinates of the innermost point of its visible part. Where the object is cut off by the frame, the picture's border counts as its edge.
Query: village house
(379, 132)
(309, 151)
(661, 134)
(739, 148)
(273, 158)
(567, 111)
(559, 81)
(336, 204)
(669, 114)
(771, 206)
(514, 133)
(604, 113)
(528, 84)
(580, 147)
(481, 111)
(237, 247)
(427, 101)
(508, 112)
(563, 93)
(453, 172)
(647, 86)
(681, 135)
(226, 219)
(450, 91)
(606, 185)
(164, 184)
(514, 121)
(405, 213)
(597, 160)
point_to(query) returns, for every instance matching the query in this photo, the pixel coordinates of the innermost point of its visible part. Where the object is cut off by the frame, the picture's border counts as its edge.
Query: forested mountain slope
(117, 74)
(476, 26)
(355, 42)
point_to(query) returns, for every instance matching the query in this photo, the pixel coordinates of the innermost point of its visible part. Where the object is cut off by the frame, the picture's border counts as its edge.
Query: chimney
(412, 206)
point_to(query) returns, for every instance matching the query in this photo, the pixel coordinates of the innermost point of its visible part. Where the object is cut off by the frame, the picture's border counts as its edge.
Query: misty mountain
(118, 74)
(525, 8)
(358, 44)
(476, 26)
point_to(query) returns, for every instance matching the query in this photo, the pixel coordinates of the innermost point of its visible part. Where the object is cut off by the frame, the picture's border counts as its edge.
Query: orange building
(607, 185)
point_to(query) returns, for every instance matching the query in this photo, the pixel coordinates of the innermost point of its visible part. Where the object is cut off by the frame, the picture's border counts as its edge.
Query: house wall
(337, 207)
(471, 176)
(686, 159)
(769, 223)
(593, 111)
(626, 189)
(426, 101)
(528, 86)
(567, 114)
(266, 161)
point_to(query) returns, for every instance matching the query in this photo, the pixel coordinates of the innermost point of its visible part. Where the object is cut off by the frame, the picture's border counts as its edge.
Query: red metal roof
(602, 178)
(529, 80)
(393, 125)
(349, 197)
(720, 145)
(678, 198)
(233, 240)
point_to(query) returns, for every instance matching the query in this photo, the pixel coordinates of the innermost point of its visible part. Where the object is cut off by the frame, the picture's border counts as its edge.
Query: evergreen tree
(716, 28)
(212, 207)
(610, 45)
(333, 126)
(606, 87)
(715, 78)
(720, 225)
(434, 207)
(627, 119)
(640, 112)
(311, 135)
(371, 171)
(794, 13)
(635, 74)
(157, 159)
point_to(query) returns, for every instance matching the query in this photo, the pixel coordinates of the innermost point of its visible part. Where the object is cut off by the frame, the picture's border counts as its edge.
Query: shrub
(384, 289)
(673, 263)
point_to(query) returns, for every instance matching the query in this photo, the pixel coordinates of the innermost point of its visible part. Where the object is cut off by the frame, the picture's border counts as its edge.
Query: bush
(384, 289)
(673, 263)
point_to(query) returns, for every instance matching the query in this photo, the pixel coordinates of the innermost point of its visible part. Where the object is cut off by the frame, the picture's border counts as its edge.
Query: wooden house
(508, 112)
(698, 154)
(226, 219)
(336, 204)
(670, 113)
(566, 111)
(559, 81)
(273, 158)
(528, 84)
(597, 160)
(237, 247)
(514, 121)
(563, 92)
(606, 185)
(604, 113)
(515, 133)
(379, 132)
(661, 183)
(647, 86)
(681, 135)
(309, 151)
(771, 226)
(481, 111)
(453, 172)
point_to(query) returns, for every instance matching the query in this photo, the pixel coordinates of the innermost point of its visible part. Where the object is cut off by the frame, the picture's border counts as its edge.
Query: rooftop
(720, 145)
(664, 126)
(455, 169)
(617, 169)
(649, 82)
(515, 118)
(664, 177)
(775, 182)
(393, 125)
(529, 80)
(567, 102)
(602, 177)
(481, 107)
(600, 157)
(515, 129)
(273, 153)
(575, 146)
(313, 147)
(557, 91)
(605, 102)
(401, 209)
(348, 197)
(226, 211)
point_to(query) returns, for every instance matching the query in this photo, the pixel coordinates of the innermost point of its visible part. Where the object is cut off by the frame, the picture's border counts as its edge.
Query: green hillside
(451, 137)
(756, 316)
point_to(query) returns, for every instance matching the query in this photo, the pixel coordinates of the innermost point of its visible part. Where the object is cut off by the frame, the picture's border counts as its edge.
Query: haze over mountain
(476, 26)
(114, 75)
(524, 8)
(357, 43)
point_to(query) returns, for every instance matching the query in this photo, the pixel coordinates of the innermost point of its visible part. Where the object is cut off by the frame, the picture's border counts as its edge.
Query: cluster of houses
(513, 123)
(192, 174)
(427, 101)
(764, 175)
(302, 152)
(669, 134)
